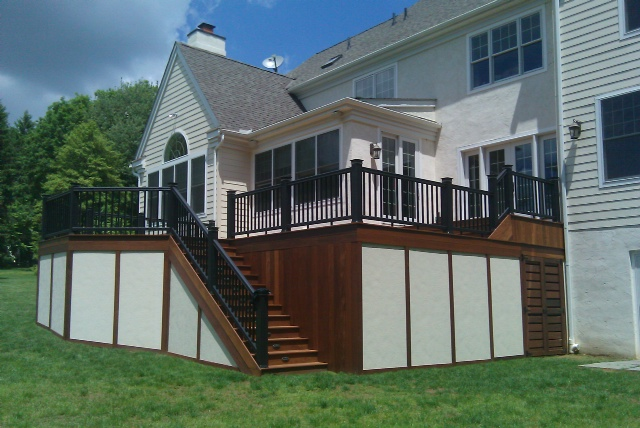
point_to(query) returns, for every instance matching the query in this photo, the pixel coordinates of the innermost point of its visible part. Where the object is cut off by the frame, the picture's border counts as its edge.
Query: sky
(58, 48)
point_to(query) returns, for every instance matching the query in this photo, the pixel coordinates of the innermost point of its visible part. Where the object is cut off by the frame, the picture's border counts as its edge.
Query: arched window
(176, 147)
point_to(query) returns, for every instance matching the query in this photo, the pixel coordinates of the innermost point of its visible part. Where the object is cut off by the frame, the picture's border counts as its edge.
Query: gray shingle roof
(422, 15)
(240, 95)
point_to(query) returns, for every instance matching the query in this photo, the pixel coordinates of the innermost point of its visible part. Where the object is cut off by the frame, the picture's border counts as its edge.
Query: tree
(87, 158)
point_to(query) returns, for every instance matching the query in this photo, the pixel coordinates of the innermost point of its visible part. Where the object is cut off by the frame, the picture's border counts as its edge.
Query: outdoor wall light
(575, 129)
(374, 151)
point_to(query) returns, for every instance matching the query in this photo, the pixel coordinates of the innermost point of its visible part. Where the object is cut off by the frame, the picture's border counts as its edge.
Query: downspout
(568, 289)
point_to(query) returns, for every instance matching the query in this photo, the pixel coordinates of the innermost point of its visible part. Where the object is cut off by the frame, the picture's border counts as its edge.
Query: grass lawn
(45, 381)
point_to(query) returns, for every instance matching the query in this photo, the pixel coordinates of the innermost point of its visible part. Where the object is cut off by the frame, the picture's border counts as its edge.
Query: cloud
(264, 3)
(59, 48)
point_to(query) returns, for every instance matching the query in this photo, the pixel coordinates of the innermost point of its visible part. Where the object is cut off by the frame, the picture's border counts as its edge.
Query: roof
(241, 96)
(421, 16)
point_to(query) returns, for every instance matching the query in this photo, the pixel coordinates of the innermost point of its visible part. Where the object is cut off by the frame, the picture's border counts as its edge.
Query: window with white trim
(505, 51)
(381, 84)
(630, 16)
(619, 136)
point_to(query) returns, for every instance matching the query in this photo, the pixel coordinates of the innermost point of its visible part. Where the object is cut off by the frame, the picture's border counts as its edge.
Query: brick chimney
(204, 38)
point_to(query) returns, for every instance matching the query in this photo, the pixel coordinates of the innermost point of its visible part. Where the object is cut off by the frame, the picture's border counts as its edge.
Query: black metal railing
(359, 194)
(158, 210)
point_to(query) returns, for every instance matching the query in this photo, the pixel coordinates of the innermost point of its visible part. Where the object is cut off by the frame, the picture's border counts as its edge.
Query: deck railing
(360, 194)
(149, 211)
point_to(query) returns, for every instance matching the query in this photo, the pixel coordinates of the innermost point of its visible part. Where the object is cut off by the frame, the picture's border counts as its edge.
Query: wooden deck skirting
(316, 274)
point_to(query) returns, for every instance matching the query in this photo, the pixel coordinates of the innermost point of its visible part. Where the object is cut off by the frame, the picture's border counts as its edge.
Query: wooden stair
(289, 352)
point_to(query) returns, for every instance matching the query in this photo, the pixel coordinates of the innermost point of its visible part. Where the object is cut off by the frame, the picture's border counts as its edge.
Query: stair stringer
(211, 310)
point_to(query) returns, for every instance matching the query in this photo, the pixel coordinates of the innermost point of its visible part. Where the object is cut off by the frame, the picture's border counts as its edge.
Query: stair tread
(294, 366)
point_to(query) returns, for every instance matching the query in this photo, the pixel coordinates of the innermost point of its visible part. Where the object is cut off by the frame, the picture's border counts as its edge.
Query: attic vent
(331, 61)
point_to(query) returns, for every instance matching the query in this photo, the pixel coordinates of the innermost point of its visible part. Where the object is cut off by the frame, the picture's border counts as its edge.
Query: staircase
(288, 351)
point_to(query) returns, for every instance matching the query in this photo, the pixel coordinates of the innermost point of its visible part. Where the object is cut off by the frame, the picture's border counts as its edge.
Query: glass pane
(505, 65)
(263, 169)
(154, 199)
(385, 83)
(176, 147)
(182, 170)
(480, 72)
(550, 153)
(197, 184)
(504, 38)
(474, 171)
(408, 159)
(532, 57)
(167, 176)
(389, 184)
(305, 157)
(496, 161)
(328, 151)
(530, 28)
(524, 161)
(154, 179)
(632, 11)
(621, 157)
(281, 163)
(479, 46)
(388, 154)
(364, 88)
(408, 186)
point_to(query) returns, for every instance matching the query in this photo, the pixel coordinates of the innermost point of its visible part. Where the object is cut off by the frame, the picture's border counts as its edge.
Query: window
(398, 159)
(619, 135)
(176, 147)
(630, 16)
(524, 160)
(311, 156)
(475, 201)
(377, 85)
(512, 49)
(550, 157)
(496, 161)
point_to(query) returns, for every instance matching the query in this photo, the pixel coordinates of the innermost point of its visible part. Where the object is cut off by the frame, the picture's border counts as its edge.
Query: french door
(398, 157)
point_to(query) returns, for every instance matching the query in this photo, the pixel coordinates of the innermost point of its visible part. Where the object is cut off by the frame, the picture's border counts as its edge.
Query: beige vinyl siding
(595, 61)
(233, 174)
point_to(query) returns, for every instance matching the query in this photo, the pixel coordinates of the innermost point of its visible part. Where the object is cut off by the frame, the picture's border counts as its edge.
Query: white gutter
(568, 289)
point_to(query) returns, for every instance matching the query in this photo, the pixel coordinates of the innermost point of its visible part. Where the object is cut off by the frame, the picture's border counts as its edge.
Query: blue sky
(56, 48)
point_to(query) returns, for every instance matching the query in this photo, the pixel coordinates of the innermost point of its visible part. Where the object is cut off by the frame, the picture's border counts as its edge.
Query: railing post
(356, 190)
(285, 203)
(46, 217)
(212, 256)
(74, 207)
(508, 188)
(447, 203)
(261, 299)
(555, 199)
(493, 201)
(172, 209)
(231, 214)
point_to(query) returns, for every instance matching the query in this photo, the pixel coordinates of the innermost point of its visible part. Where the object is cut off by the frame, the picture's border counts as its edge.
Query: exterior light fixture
(374, 151)
(575, 129)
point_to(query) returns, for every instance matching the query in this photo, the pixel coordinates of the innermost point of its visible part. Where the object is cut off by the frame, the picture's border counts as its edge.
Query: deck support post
(356, 190)
(231, 214)
(285, 203)
(261, 302)
(447, 204)
(493, 201)
(212, 256)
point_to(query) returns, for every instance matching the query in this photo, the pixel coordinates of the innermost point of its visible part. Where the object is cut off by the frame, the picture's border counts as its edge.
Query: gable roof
(423, 15)
(241, 96)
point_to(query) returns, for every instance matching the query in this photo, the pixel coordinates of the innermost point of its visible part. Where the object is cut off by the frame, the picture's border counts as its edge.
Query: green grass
(45, 381)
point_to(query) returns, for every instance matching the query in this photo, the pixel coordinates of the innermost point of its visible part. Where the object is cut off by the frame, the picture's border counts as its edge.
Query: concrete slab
(616, 365)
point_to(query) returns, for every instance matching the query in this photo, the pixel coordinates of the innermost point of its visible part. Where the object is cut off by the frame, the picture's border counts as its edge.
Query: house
(600, 87)
(396, 194)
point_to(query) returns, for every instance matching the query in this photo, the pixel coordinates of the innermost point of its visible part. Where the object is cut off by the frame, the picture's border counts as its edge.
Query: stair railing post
(212, 256)
(74, 207)
(261, 301)
(172, 208)
(285, 203)
(356, 190)
(493, 201)
(555, 199)
(447, 204)
(508, 188)
(231, 214)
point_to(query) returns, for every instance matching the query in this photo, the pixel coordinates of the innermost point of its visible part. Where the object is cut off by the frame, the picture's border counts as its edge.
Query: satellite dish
(273, 62)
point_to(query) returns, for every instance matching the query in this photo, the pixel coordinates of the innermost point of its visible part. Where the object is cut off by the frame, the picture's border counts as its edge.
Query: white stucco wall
(58, 292)
(92, 296)
(506, 307)
(602, 291)
(44, 289)
(140, 304)
(183, 319)
(430, 310)
(384, 332)
(211, 347)
(471, 308)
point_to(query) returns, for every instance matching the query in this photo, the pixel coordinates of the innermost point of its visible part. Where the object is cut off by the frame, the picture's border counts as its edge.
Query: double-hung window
(380, 84)
(619, 136)
(629, 17)
(505, 51)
